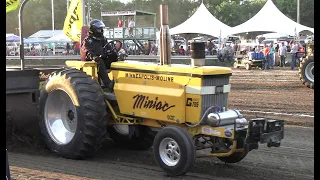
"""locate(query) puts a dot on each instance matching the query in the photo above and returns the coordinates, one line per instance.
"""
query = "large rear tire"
(174, 150)
(72, 114)
(306, 71)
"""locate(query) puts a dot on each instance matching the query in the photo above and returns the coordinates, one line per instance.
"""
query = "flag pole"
(21, 33)
(52, 17)
(83, 13)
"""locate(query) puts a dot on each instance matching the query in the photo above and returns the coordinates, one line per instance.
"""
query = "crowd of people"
(38, 49)
(272, 51)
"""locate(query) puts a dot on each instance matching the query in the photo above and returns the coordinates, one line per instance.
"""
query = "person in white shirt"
(294, 50)
(131, 25)
(282, 53)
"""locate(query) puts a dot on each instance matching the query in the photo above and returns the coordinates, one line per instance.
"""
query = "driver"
(92, 49)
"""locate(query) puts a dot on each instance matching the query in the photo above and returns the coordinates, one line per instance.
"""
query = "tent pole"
(21, 33)
(52, 17)
(220, 39)
(298, 11)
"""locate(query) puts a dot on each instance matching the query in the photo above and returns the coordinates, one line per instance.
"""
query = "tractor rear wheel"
(141, 139)
(235, 65)
(72, 114)
(248, 66)
(306, 71)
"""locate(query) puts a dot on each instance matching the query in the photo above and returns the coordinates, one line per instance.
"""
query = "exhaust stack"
(165, 49)
(198, 54)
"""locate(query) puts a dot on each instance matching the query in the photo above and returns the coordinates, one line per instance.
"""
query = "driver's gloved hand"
(97, 59)
(102, 57)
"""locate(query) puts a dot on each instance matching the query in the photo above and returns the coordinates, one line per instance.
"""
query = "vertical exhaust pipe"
(165, 49)
(198, 54)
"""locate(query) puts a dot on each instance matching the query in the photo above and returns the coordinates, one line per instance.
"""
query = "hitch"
(270, 131)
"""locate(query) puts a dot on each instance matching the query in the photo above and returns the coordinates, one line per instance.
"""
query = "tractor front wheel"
(72, 114)
(174, 150)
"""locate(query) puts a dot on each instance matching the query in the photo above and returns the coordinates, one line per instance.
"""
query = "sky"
(125, 1)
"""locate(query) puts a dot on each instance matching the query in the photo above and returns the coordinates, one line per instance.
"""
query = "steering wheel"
(112, 46)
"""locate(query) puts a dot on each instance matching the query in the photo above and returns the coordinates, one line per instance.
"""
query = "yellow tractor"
(175, 109)
(306, 68)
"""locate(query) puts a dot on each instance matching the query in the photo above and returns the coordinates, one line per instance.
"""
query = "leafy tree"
(37, 13)
(289, 8)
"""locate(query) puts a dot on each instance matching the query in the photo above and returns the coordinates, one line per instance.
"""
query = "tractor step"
(110, 96)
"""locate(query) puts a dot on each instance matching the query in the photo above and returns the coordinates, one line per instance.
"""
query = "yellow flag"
(73, 22)
(12, 5)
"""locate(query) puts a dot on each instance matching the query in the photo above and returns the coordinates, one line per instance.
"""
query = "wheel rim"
(247, 66)
(60, 117)
(309, 72)
(169, 152)
(235, 65)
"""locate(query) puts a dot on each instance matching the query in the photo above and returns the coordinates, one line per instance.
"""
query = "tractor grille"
(219, 99)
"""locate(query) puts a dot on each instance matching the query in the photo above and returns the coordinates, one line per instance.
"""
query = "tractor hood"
(176, 69)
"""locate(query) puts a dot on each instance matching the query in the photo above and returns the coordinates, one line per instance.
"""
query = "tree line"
(37, 13)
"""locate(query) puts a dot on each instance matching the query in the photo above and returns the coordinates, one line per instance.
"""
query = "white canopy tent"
(270, 19)
(202, 22)
(58, 38)
(273, 35)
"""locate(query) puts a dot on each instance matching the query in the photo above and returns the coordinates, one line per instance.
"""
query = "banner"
(118, 13)
(73, 22)
(12, 5)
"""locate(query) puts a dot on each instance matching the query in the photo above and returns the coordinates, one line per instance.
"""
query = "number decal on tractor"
(192, 102)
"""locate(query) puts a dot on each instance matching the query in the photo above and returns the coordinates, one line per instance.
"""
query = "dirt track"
(293, 160)
(266, 93)
(277, 91)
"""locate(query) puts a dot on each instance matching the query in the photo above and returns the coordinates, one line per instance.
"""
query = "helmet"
(96, 28)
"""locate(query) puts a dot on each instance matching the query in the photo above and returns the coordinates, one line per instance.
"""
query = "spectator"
(77, 48)
(302, 51)
(276, 54)
(210, 47)
(131, 25)
(282, 54)
(149, 47)
(120, 23)
(188, 50)
(146, 47)
(277, 48)
(50, 51)
(272, 56)
(32, 47)
(235, 47)
(266, 53)
(181, 51)
(294, 50)
(68, 48)
(257, 49)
